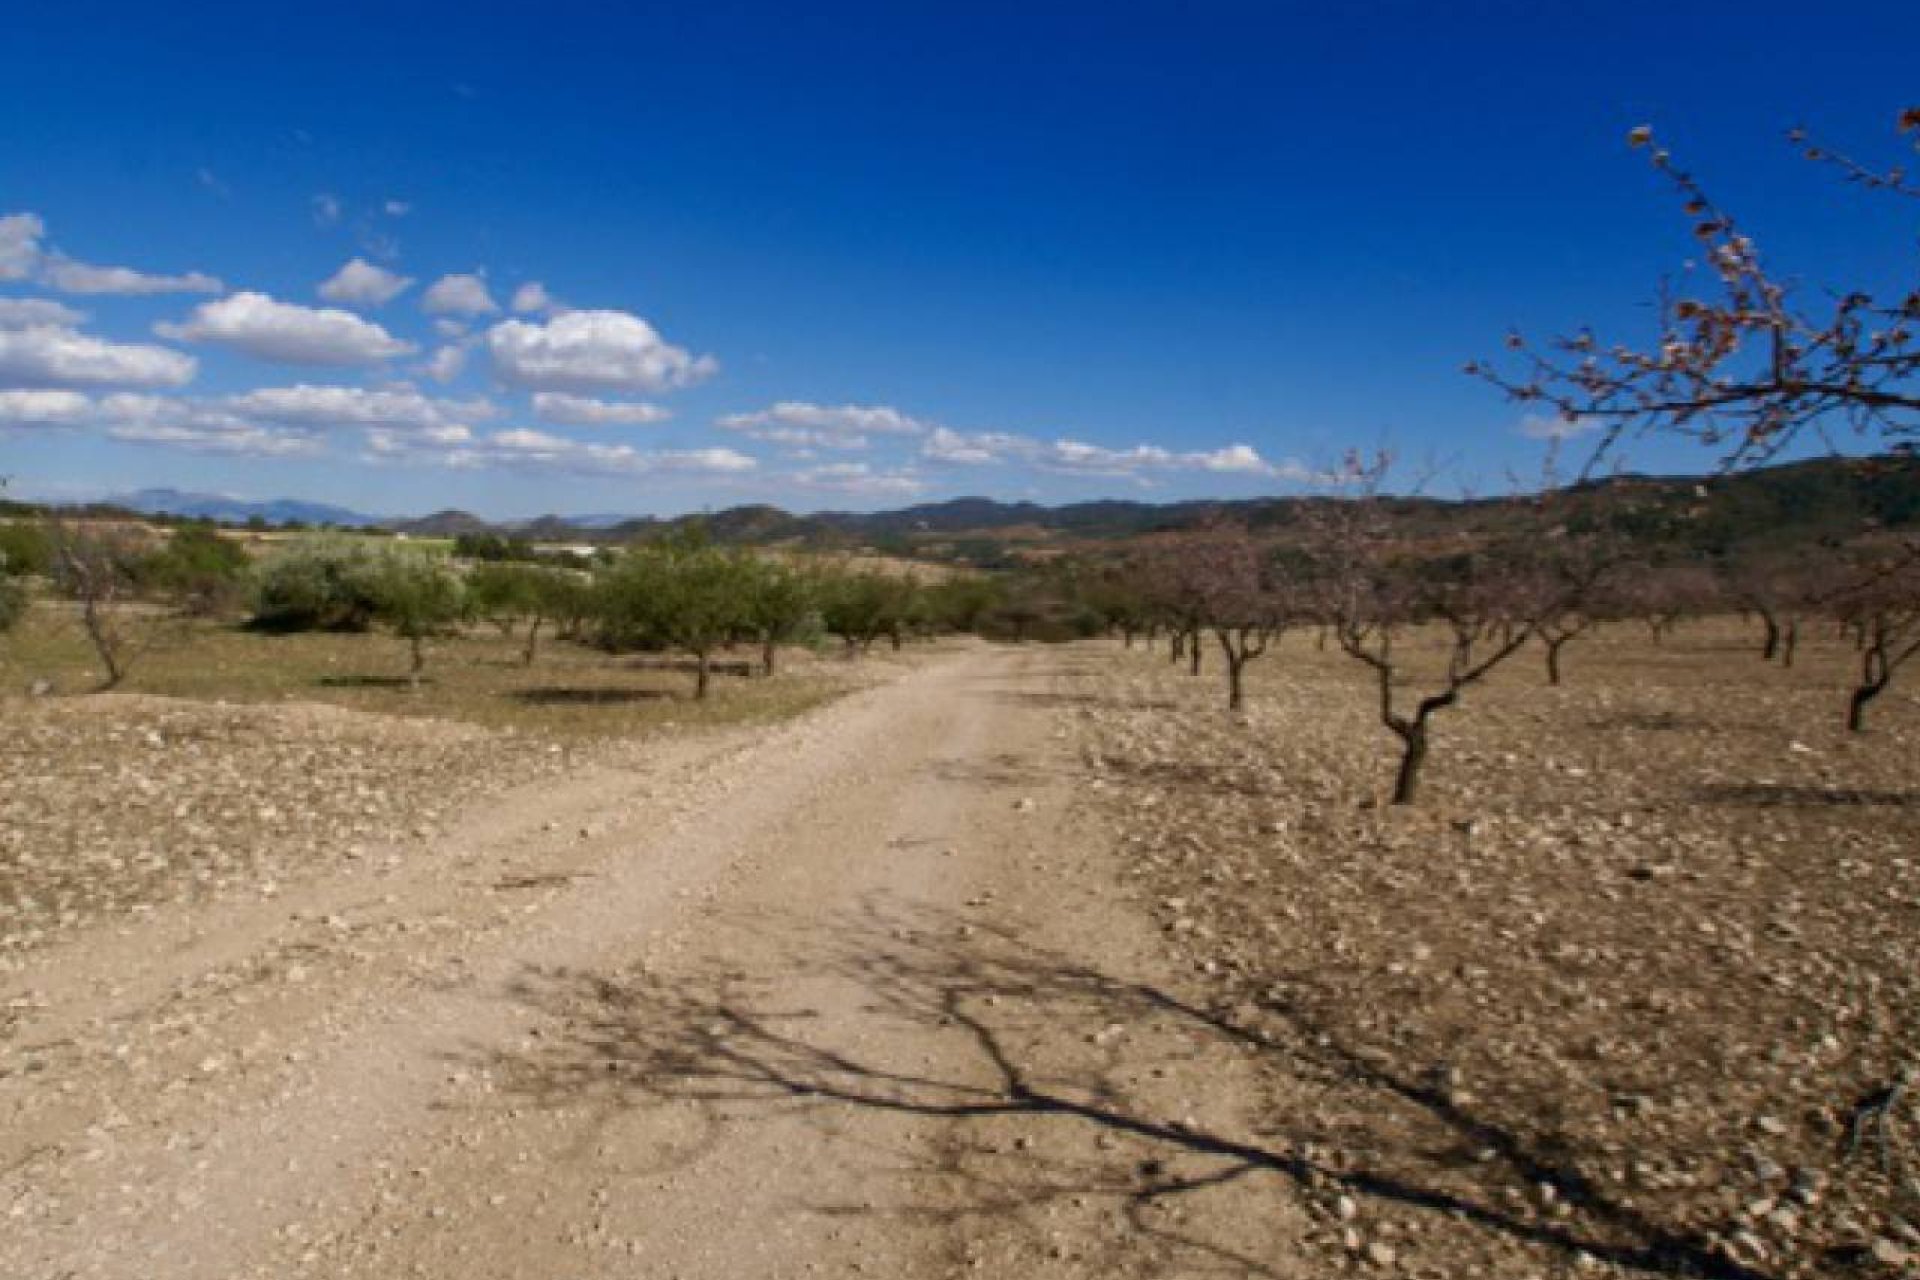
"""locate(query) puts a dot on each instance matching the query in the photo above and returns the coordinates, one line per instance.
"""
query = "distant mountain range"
(1826, 498)
(229, 510)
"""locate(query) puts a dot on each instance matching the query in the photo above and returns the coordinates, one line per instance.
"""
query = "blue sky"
(865, 254)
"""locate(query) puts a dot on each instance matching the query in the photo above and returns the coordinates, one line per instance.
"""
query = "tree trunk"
(1770, 647)
(105, 643)
(1193, 655)
(1176, 646)
(418, 644)
(704, 675)
(1553, 659)
(1235, 686)
(1406, 784)
(533, 641)
(769, 655)
(1874, 675)
(1792, 641)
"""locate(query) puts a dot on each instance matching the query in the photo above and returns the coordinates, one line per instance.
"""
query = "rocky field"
(1637, 979)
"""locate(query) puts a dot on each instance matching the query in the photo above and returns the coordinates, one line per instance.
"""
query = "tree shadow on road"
(1055, 1086)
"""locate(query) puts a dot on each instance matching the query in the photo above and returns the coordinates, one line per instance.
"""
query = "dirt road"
(861, 993)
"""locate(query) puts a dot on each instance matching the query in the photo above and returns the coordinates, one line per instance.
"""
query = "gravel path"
(853, 994)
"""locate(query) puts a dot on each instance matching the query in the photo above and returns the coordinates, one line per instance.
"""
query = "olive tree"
(417, 595)
(861, 605)
(677, 595)
(508, 592)
(781, 599)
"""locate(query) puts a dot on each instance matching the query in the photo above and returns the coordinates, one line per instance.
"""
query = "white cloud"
(583, 411)
(532, 298)
(148, 419)
(266, 329)
(200, 432)
(446, 363)
(859, 478)
(319, 407)
(973, 449)
(525, 450)
(1075, 457)
(1553, 426)
(23, 257)
(795, 424)
(54, 355)
(362, 284)
(459, 295)
(20, 235)
(587, 351)
(43, 408)
(326, 210)
(68, 276)
(22, 313)
(397, 208)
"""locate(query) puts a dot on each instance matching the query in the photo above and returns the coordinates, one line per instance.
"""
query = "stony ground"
(119, 803)
(1625, 983)
(1025, 961)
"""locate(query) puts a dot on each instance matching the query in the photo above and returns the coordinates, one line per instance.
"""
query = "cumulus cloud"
(978, 448)
(69, 276)
(44, 408)
(56, 355)
(22, 313)
(860, 478)
(20, 235)
(584, 411)
(321, 407)
(797, 424)
(1553, 426)
(23, 256)
(589, 351)
(266, 329)
(459, 295)
(525, 450)
(362, 284)
(200, 426)
(446, 363)
(1076, 457)
(532, 298)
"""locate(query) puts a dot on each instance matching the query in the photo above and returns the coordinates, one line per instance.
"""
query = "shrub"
(320, 584)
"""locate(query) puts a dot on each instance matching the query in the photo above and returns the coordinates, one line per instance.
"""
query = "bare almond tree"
(97, 567)
(1777, 589)
(1233, 585)
(1882, 606)
(1741, 360)
(1382, 597)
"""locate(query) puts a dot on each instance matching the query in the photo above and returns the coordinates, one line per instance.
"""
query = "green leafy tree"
(781, 600)
(509, 593)
(861, 605)
(417, 595)
(678, 594)
(24, 549)
(200, 571)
